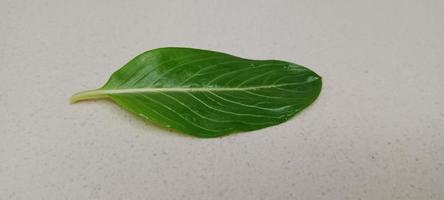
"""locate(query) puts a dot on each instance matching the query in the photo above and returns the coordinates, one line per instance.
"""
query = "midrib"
(103, 93)
(215, 89)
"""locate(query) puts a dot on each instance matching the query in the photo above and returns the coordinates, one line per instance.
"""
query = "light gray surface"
(376, 132)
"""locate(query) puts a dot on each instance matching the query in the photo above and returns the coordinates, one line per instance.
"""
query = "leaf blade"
(209, 94)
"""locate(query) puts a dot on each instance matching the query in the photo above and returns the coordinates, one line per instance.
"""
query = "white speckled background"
(376, 132)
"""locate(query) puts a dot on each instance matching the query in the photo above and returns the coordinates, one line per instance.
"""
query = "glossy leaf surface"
(209, 94)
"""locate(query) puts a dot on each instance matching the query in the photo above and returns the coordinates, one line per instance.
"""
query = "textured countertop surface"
(376, 131)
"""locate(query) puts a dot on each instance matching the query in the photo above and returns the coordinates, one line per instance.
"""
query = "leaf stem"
(88, 94)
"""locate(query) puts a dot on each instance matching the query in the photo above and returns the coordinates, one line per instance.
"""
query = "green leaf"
(209, 94)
